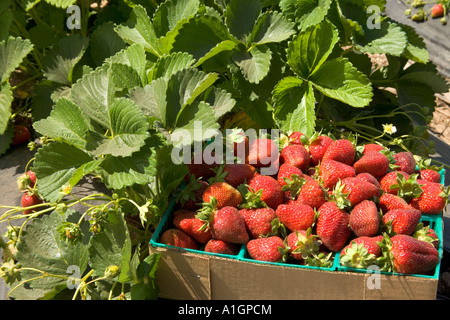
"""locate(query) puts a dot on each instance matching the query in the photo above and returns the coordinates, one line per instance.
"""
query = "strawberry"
(177, 238)
(361, 252)
(355, 190)
(21, 135)
(390, 179)
(432, 200)
(260, 222)
(296, 216)
(430, 175)
(389, 201)
(186, 221)
(437, 11)
(201, 171)
(271, 249)
(225, 224)
(365, 219)
(262, 152)
(372, 147)
(286, 171)
(225, 194)
(297, 137)
(296, 155)
(405, 254)
(302, 244)
(425, 233)
(26, 181)
(190, 197)
(332, 226)
(402, 221)
(219, 246)
(30, 199)
(330, 171)
(405, 162)
(374, 162)
(272, 194)
(341, 150)
(312, 194)
(367, 177)
(234, 174)
(317, 148)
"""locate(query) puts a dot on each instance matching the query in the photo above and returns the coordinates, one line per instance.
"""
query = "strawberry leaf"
(6, 98)
(271, 27)
(241, 16)
(305, 13)
(255, 63)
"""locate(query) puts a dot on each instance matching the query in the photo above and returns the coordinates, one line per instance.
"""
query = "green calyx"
(206, 213)
(307, 244)
(422, 232)
(357, 256)
(251, 198)
(320, 259)
(219, 174)
(407, 189)
(294, 185)
(386, 260)
(188, 192)
(340, 197)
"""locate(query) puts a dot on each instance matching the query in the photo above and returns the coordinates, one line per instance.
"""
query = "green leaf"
(146, 288)
(226, 45)
(6, 139)
(105, 42)
(152, 99)
(305, 13)
(221, 101)
(338, 79)
(294, 106)
(124, 77)
(111, 247)
(66, 123)
(64, 4)
(170, 12)
(6, 98)
(41, 248)
(272, 27)
(167, 65)
(12, 52)
(55, 164)
(126, 134)
(254, 64)
(60, 61)
(134, 57)
(241, 16)
(416, 48)
(200, 35)
(140, 29)
(310, 49)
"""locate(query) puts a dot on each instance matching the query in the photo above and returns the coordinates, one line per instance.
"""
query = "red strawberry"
(361, 252)
(391, 201)
(262, 153)
(312, 194)
(430, 175)
(371, 147)
(272, 194)
(332, 226)
(437, 11)
(425, 233)
(330, 171)
(286, 171)
(177, 238)
(365, 176)
(259, 221)
(266, 249)
(341, 150)
(296, 216)
(234, 174)
(355, 190)
(26, 181)
(186, 221)
(190, 197)
(21, 135)
(219, 246)
(432, 200)
(201, 171)
(302, 244)
(375, 163)
(402, 221)
(390, 179)
(228, 225)
(295, 155)
(405, 162)
(296, 138)
(405, 254)
(365, 219)
(225, 194)
(30, 199)
(318, 147)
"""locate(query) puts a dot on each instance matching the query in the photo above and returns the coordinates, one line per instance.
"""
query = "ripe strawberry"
(371, 147)
(272, 194)
(297, 137)
(296, 216)
(296, 155)
(228, 225)
(234, 174)
(260, 222)
(341, 150)
(190, 197)
(390, 179)
(402, 221)
(30, 199)
(177, 238)
(355, 190)
(405, 162)
(425, 233)
(332, 226)
(430, 175)
(312, 194)
(437, 11)
(262, 152)
(391, 201)
(219, 246)
(286, 171)
(365, 219)
(302, 244)
(21, 135)
(201, 171)
(317, 148)
(405, 254)
(330, 171)
(225, 194)
(269, 249)
(186, 221)
(432, 200)
(374, 162)
(361, 252)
